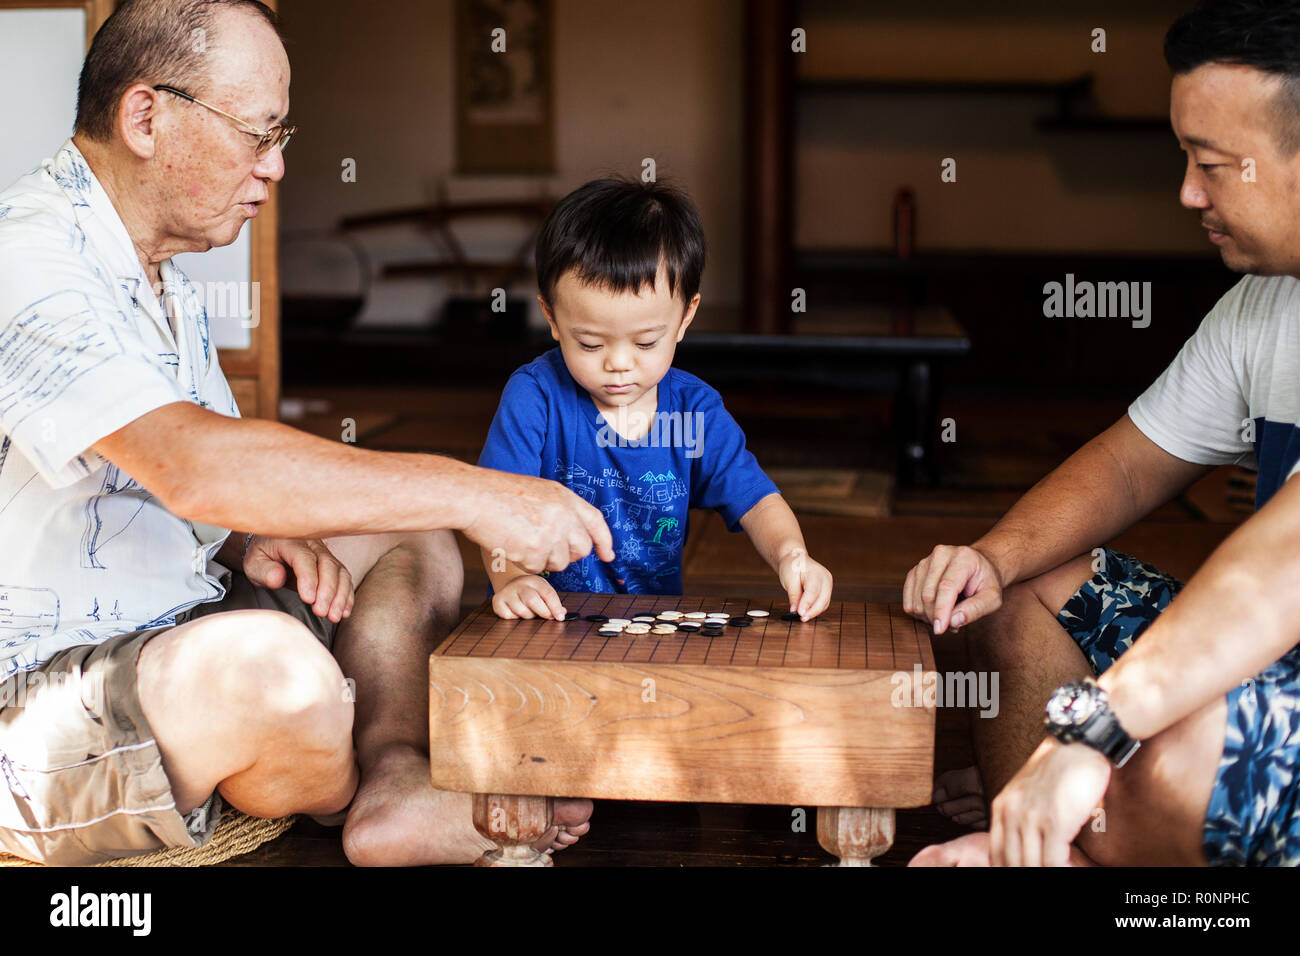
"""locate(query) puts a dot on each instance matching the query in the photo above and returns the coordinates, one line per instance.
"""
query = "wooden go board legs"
(855, 835)
(513, 823)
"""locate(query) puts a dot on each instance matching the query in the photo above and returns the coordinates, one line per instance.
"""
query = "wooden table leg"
(513, 823)
(914, 407)
(856, 835)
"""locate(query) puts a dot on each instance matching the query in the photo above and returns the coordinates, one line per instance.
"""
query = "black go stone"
(741, 621)
(711, 631)
(594, 618)
(789, 616)
(571, 616)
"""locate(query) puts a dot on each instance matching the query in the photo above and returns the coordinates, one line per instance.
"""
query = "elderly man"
(1190, 738)
(141, 682)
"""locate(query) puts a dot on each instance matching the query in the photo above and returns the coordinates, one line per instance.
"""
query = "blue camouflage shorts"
(1254, 813)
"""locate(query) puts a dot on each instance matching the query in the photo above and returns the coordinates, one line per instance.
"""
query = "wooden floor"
(980, 476)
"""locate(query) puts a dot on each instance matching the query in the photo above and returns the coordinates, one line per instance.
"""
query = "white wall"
(41, 52)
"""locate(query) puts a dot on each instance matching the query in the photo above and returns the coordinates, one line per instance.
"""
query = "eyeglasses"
(278, 135)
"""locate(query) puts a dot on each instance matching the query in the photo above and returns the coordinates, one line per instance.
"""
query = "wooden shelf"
(1068, 92)
(439, 214)
(1078, 86)
(1103, 124)
(423, 270)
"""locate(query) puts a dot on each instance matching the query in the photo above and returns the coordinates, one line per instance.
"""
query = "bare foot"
(572, 820)
(973, 850)
(959, 795)
(398, 819)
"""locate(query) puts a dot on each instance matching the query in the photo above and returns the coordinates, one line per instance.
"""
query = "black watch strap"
(1110, 738)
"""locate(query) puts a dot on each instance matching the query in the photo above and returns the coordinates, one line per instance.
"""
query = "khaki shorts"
(83, 779)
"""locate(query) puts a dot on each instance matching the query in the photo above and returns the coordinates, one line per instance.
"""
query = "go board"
(845, 636)
(815, 713)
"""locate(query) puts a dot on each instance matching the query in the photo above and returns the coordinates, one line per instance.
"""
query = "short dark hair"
(149, 41)
(616, 233)
(1264, 34)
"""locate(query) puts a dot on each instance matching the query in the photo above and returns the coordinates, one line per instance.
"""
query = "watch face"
(1071, 706)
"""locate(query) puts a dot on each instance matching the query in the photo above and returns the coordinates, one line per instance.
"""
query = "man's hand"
(528, 595)
(932, 588)
(323, 581)
(807, 584)
(1040, 812)
(537, 524)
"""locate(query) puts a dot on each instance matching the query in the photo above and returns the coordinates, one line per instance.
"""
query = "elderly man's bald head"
(159, 42)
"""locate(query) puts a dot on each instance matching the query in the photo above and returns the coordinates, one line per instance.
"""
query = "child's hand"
(528, 595)
(807, 583)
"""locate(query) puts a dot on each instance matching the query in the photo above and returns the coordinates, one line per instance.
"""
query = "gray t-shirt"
(1232, 394)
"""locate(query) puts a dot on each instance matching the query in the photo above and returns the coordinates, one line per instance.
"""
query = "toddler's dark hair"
(615, 233)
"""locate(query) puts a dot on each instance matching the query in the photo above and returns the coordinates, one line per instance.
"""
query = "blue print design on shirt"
(646, 516)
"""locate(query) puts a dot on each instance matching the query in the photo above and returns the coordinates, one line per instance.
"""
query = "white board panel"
(221, 276)
(41, 52)
(40, 61)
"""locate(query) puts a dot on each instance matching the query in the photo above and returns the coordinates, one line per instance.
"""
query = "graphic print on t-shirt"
(646, 515)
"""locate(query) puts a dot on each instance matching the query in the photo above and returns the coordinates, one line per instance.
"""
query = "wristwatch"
(1079, 712)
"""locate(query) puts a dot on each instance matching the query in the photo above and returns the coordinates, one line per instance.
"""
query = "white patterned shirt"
(86, 348)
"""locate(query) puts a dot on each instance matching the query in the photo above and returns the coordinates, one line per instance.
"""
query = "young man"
(1211, 691)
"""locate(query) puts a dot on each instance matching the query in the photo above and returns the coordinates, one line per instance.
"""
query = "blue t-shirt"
(693, 457)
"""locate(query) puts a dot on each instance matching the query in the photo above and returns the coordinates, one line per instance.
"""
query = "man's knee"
(1002, 638)
(293, 672)
(426, 554)
(434, 559)
(1006, 635)
(1053, 589)
(239, 690)
(438, 547)
(274, 671)
(1121, 831)
(1155, 806)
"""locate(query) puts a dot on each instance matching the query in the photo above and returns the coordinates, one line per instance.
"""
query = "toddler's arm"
(774, 530)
